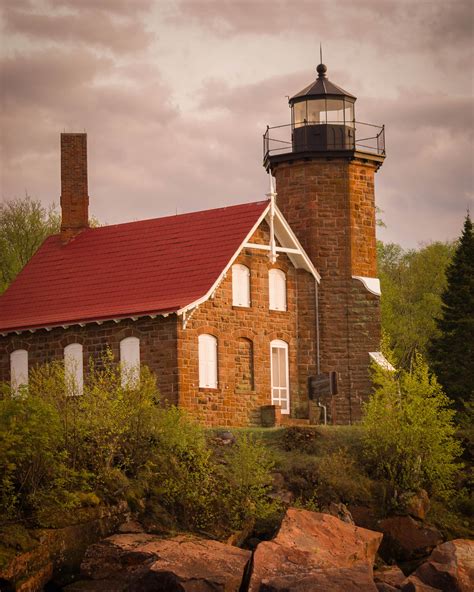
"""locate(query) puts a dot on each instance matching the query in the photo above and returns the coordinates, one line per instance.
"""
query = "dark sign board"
(322, 385)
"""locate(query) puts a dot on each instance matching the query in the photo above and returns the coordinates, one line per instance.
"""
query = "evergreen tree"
(452, 352)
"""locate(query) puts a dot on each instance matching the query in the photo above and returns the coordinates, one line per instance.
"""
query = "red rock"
(149, 563)
(405, 538)
(450, 567)
(333, 579)
(416, 504)
(308, 541)
(391, 575)
(414, 584)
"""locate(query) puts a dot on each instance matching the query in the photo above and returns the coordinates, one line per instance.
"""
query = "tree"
(452, 351)
(409, 431)
(412, 284)
(24, 224)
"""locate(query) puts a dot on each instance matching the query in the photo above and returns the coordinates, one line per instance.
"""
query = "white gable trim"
(286, 238)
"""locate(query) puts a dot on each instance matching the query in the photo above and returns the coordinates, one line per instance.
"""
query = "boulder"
(415, 504)
(183, 563)
(414, 584)
(390, 575)
(405, 538)
(130, 526)
(310, 541)
(340, 511)
(332, 579)
(450, 567)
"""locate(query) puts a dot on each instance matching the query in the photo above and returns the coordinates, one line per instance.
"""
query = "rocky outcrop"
(333, 579)
(388, 578)
(59, 552)
(406, 539)
(450, 567)
(309, 542)
(143, 562)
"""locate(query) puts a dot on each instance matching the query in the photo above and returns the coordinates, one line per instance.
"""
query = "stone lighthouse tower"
(324, 163)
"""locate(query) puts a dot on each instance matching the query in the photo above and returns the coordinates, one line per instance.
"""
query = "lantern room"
(322, 116)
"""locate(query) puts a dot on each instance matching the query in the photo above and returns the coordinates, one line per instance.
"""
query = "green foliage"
(24, 224)
(244, 481)
(412, 284)
(205, 490)
(452, 350)
(409, 431)
(57, 449)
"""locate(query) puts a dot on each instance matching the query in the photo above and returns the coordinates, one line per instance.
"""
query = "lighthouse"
(324, 162)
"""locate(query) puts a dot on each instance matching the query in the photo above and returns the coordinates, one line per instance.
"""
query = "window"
(130, 361)
(19, 369)
(207, 361)
(277, 289)
(74, 369)
(280, 375)
(240, 285)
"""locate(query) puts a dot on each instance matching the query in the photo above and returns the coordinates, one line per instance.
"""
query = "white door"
(280, 377)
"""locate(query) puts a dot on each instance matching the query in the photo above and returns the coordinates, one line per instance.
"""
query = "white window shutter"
(19, 369)
(240, 285)
(277, 289)
(130, 361)
(74, 368)
(207, 361)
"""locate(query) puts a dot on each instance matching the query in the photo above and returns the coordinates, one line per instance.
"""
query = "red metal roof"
(159, 265)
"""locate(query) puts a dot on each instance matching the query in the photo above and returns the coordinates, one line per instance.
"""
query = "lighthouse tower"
(324, 163)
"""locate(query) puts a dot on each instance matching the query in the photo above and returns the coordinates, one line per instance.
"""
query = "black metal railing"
(333, 135)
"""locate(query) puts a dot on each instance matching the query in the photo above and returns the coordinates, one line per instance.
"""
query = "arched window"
(130, 361)
(277, 289)
(19, 369)
(74, 369)
(244, 372)
(240, 285)
(207, 361)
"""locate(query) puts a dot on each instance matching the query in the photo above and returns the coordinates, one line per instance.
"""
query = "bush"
(409, 432)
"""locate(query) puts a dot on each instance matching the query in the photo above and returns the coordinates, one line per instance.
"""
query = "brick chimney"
(74, 196)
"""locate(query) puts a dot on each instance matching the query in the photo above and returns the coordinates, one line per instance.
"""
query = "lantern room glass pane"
(299, 113)
(335, 111)
(349, 113)
(317, 111)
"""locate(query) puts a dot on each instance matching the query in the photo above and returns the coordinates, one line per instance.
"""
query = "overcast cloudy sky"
(175, 96)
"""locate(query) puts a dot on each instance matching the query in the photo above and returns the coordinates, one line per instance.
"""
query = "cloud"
(148, 156)
(103, 24)
(391, 23)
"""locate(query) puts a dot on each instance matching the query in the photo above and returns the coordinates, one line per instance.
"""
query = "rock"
(310, 541)
(349, 579)
(131, 526)
(97, 586)
(391, 575)
(406, 539)
(149, 563)
(414, 584)
(341, 512)
(364, 516)
(415, 504)
(280, 490)
(225, 438)
(450, 567)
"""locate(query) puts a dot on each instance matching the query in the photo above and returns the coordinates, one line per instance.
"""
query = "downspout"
(316, 299)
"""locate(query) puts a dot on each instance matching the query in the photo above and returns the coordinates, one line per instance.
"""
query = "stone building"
(258, 312)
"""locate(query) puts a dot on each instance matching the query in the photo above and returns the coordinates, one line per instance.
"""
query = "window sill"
(209, 389)
(234, 307)
(272, 310)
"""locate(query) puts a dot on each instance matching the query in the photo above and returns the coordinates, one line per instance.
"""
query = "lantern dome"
(322, 115)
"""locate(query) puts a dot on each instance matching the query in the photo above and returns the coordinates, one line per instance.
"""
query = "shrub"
(244, 483)
(409, 431)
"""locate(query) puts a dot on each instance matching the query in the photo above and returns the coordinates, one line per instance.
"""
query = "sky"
(175, 96)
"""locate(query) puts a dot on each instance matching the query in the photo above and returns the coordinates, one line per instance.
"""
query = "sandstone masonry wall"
(330, 206)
